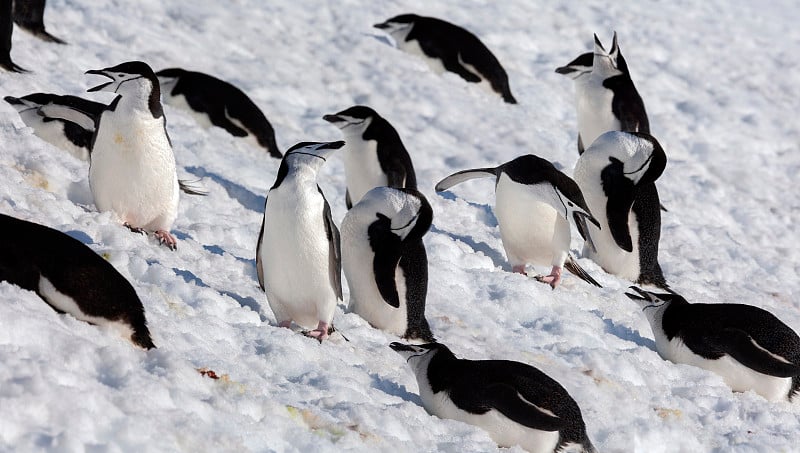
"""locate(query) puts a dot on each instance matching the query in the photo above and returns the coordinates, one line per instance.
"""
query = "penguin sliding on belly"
(514, 402)
(384, 260)
(298, 256)
(448, 47)
(70, 277)
(749, 347)
(216, 102)
(535, 203)
(374, 154)
(617, 175)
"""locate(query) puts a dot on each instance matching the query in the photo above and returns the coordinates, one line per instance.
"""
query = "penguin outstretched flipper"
(465, 175)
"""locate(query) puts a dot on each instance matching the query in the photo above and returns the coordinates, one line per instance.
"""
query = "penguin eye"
(569, 203)
(120, 75)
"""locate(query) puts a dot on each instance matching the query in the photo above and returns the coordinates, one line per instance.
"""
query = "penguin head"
(132, 79)
(406, 212)
(419, 356)
(608, 64)
(354, 120)
(398, 27)
(572, 205)
(654, 304)
(578, 67)
(312, 154)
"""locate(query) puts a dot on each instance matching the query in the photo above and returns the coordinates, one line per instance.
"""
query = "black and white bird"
(29, 14)
(6, 30)
(374, 154)
(71, 278)
(606, 98)
(617, 175)
(212, 101)
(748, 346)
(534, 205)
(448, 47)
(578, 69)
(132, 171)
(385, 262)
(514, 402)
(298, 255)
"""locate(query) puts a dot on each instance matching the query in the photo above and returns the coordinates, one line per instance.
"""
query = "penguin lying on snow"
(216, 102)
(749, 347)
(535, 203)
(516, 403)
(617, 175)
(70, 277)
(384, 260)
(375, 155)
(68, 122)
(448, 47)
(298, 256)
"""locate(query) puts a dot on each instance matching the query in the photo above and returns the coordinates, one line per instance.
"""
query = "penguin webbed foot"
(164, 238)
(322, 332)
(553, 279)
(519, 269)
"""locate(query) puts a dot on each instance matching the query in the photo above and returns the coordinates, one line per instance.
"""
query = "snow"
(719, 80)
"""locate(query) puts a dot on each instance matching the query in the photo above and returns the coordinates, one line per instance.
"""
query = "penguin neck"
(141, 97)
(443, 370)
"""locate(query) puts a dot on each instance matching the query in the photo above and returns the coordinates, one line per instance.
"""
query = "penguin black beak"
(382, 25)
(332, 145)
(102, 85)
(333, 119)
(643, 295)
(564, 70)
(580, 222)
(401, 347)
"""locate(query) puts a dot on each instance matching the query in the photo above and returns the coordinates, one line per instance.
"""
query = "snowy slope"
(720, 83)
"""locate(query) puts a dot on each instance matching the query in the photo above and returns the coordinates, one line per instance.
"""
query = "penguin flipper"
(220, 119)
(396, 179)
(464, 175)
(573, 266)
(508, 401)
(259, 265)
(744, 348)
(461, 70)
(73, 114)
(334, 249)
(620, 192)
(387, 248)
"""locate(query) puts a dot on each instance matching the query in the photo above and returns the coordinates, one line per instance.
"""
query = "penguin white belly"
(361, 168)
(737, 376)
(68, 305)
(132, 173)
(294, 256)
(527, 225)
(594, 109)
(414, 48)
(504, 431)
(179, 102)
(365, 298)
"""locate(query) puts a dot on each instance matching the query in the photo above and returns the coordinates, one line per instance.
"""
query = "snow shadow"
(625, 332)
(498, 259)
(244, 196)
(394, 389)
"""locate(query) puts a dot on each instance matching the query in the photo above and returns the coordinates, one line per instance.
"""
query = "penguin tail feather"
(573, 266)
(464, 175)
(191, 187)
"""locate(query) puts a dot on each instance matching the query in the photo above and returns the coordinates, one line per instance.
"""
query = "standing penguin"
(375, 154)
(749, 347)
(578, 70)
(70, 277)
(216, 102)
(606, 99)
(132, 171)
(448, 47)
(617, 175)
(298, 258)
(535, 202)
(384, 260)
(514, 402)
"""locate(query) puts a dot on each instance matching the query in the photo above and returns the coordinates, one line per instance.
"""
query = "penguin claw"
(164, 238)
(135, 229)
(553, 279)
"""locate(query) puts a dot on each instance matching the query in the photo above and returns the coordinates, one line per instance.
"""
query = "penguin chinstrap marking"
(448, 47)
(748, 346)
(71, 278)
(534, 205)
(212, 101)
(29, 14)
(132, 171)
(606, 98)
(514, 402)
(6, 30)
(617, 175)
(384, 260)
(374, 154)
(298, 256)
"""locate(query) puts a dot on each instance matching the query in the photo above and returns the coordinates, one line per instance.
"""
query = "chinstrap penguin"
(29, 14)
(385, 262)
(617, 175)
(448, 47)
(514, 402)
(212, 101)
(577, 70)
(298, 256)
(71, 278)
(534, 205)
(6, 30)
(374, 154)
(132, 171)
(748, 346)
(606, 98)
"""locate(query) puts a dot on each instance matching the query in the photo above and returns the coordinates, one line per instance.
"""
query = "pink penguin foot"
(167, 239)
(519, 269)
(285, 324)
(553, 279)
(320, 333)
